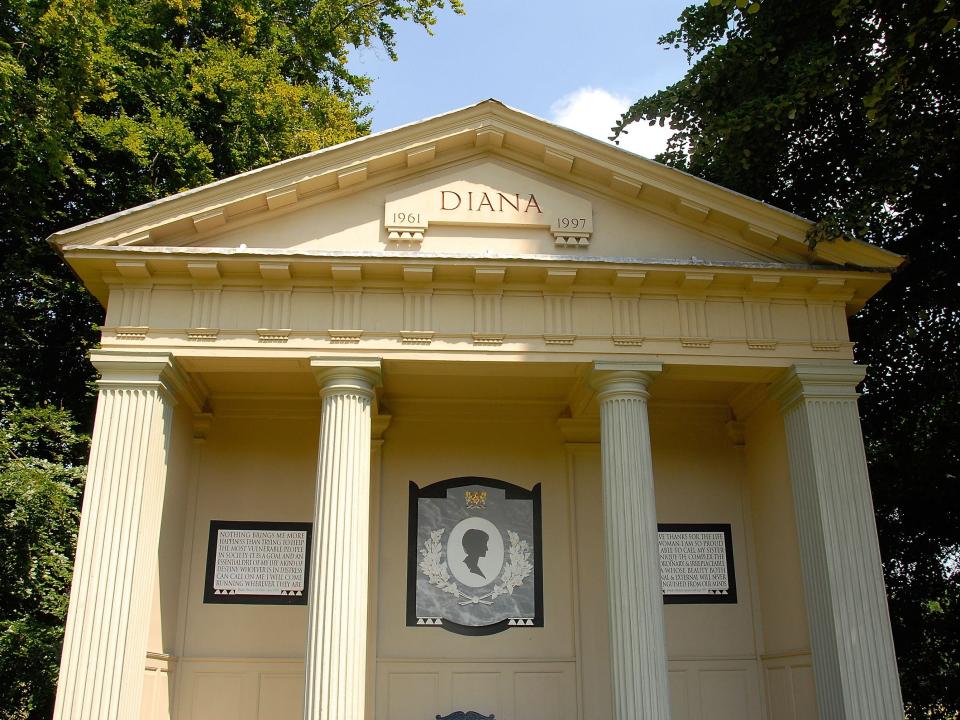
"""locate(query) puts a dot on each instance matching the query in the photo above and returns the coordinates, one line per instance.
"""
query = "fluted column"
(854, 664)
(105, 643)
(335, 686)
(638, 652)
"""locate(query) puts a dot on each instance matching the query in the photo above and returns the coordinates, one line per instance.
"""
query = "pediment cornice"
(486, 129)
(103, 267)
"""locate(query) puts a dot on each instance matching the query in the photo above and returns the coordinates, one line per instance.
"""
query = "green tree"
(41, 474)
(106, 104)
(848, 112)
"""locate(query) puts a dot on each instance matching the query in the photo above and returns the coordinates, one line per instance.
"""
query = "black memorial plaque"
(696, 563)
(258, 563)
(474, 562)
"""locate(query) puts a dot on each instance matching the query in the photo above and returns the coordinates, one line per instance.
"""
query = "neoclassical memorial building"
(478, 414)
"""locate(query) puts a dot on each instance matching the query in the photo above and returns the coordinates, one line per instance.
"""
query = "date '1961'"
(403, 218)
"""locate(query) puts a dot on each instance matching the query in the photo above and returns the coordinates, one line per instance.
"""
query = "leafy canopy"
(40, 481)
(848, 112)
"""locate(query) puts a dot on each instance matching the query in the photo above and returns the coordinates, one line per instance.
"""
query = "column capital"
(339, 374)
(158, 370)
(817, 382)
(623, 379)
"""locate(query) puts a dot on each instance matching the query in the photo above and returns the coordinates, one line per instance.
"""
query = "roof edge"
(474, 118)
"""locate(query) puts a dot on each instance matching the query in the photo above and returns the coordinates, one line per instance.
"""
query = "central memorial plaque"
(474, 564)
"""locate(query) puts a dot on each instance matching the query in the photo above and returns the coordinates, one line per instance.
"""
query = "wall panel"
(790, 690)
(511, 691)
(241, 689)
(281, 696)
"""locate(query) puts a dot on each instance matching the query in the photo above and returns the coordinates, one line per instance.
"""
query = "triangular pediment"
(483, 206)
(483, 180)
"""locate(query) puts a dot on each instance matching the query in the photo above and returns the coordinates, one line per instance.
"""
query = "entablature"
(103, 268)
(499, 304)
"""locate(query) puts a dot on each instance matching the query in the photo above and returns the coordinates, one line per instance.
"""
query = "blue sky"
(576, 63)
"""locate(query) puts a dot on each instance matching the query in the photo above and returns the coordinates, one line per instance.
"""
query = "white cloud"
(593, 111)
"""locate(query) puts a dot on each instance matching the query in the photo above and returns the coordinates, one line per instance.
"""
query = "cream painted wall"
(584, 482)
(699, 475)
(245, 661)
(699, 478)
(253, 468)
(525, 673)
(786, 657)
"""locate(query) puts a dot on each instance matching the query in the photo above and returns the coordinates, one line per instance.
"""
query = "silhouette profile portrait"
(475, 546)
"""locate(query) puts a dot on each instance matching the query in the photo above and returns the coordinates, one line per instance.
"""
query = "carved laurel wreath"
(515, 570)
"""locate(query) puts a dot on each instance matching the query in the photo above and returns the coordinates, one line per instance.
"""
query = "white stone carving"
(558, 319)
(204, 314)
(417, 317)
(565, 238)
(275, 318)
(693, 323)
(128, 332)
(557, 159)
(205, 309)
(630, 187)
(346, 316)
(756, 314)
(265, 335)
(134, 311)
(515, 571)
(825, 332)
(405, 238)
(201, 334)
(626, 320)
(487, 317)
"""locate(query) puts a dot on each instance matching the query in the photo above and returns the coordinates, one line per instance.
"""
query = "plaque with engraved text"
(696, 563)
(258, 563)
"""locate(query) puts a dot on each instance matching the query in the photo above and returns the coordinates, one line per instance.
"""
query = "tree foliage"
(848, 112)
(41, 474)
(106, 104)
